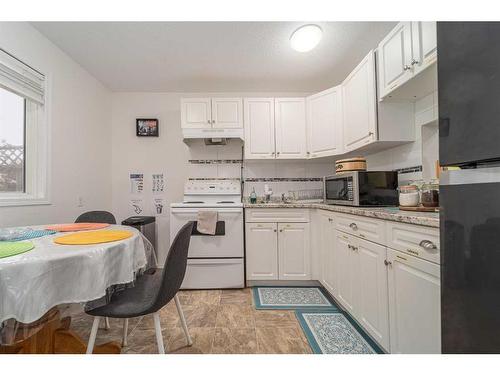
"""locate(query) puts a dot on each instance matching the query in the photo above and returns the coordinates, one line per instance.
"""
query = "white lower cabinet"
(362, 284)
(392, 294)
(277, 250)
(328, 264)
(293, 251)
(346, 271)
(372, 301)
(414, 303)
(262, 251)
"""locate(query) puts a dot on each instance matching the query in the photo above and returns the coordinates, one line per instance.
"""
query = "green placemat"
(8, 249)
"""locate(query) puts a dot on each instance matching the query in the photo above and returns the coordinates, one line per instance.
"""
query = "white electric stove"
(217, 261)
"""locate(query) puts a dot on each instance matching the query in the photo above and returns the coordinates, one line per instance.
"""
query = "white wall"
(424, 151)
(168, 154)
(80, 131)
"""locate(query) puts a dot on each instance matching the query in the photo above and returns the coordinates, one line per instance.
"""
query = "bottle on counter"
(253, 196)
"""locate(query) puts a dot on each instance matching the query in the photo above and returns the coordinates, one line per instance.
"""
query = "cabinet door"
(372, 301)
(414, 304)
(327, 248)
(259, 128)
(290, 128)
(395, 54)
(294, 251)
(324, 123)
(424, 40)
(196, 113)
(359, 103)
(227, 113)
(346, 270)
(261, 251)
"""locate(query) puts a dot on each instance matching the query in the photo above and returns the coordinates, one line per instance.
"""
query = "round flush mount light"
(306, 37)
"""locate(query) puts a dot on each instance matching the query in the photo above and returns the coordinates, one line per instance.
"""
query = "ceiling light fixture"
(306, 37)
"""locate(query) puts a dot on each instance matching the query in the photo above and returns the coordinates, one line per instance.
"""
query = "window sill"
(22, 200)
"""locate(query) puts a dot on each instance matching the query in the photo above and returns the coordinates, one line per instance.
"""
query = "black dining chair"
(108, 218)
(96, 217)
(151, 292)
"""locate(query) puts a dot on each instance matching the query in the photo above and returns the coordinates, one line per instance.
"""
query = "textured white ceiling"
(213, 56)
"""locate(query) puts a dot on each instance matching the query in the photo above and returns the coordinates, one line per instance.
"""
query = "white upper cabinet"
(290, 120)
(227, 113)
(395, 56)
(408, 49)
(196, 113)
(359, 105)
(424, 38)
(324, 123)
(216, 113)
(259, 128)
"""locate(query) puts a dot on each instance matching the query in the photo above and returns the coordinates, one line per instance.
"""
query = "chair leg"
(125, 332)
(106, 324)
(183, 320)
(159, 336)
(93, 334)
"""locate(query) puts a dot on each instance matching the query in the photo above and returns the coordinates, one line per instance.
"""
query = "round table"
(34, 283)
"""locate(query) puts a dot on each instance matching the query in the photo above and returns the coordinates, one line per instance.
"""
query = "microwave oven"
(362, 188)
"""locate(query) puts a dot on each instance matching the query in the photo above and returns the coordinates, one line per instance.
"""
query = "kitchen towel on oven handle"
(207, 222)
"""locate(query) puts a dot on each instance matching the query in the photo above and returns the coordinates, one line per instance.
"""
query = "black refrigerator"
(469, 137)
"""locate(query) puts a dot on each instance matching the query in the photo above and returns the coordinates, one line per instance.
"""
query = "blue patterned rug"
(332, 332)
(288, 298)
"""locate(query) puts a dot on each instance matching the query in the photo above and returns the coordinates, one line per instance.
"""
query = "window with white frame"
(23, 133)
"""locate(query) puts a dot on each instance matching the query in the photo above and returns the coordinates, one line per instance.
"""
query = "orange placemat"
(75, 227)
(94, 237)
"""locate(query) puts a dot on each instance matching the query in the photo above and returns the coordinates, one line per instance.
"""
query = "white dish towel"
(207, 222)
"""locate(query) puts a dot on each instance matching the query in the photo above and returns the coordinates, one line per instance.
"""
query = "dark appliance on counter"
(469, 136)
(362, 188)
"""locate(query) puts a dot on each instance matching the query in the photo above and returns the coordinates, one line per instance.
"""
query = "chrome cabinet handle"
(413, 61)
(275, 231)
(406, 67)
(281, 230)
(387, 263)
(353, 226)
(427, 245)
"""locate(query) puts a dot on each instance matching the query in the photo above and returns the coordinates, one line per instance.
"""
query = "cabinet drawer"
(369, 229)
(419, 241)
(282, 215)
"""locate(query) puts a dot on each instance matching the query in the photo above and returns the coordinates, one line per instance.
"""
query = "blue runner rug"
(291, 298)
(332, 332)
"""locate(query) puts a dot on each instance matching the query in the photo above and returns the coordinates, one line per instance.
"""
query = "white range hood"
(213, 135)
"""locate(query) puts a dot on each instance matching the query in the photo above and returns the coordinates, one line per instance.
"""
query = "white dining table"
(34, 282)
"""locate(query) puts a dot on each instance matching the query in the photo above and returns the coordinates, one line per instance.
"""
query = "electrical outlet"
(80, 201)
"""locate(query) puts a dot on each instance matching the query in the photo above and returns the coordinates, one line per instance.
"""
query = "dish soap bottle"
(253, 196)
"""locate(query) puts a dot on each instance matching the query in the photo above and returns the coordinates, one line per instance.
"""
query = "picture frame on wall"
(147, 127)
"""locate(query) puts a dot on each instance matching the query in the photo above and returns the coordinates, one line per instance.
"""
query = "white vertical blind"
(21, 79)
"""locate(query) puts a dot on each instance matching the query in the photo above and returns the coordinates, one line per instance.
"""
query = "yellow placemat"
(94, 237)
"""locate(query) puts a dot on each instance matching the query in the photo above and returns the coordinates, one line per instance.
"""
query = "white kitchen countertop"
(429, 219)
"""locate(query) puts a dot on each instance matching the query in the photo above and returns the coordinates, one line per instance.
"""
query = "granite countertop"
(429, 219)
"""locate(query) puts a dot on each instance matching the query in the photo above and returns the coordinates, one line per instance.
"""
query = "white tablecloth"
(49, 275)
